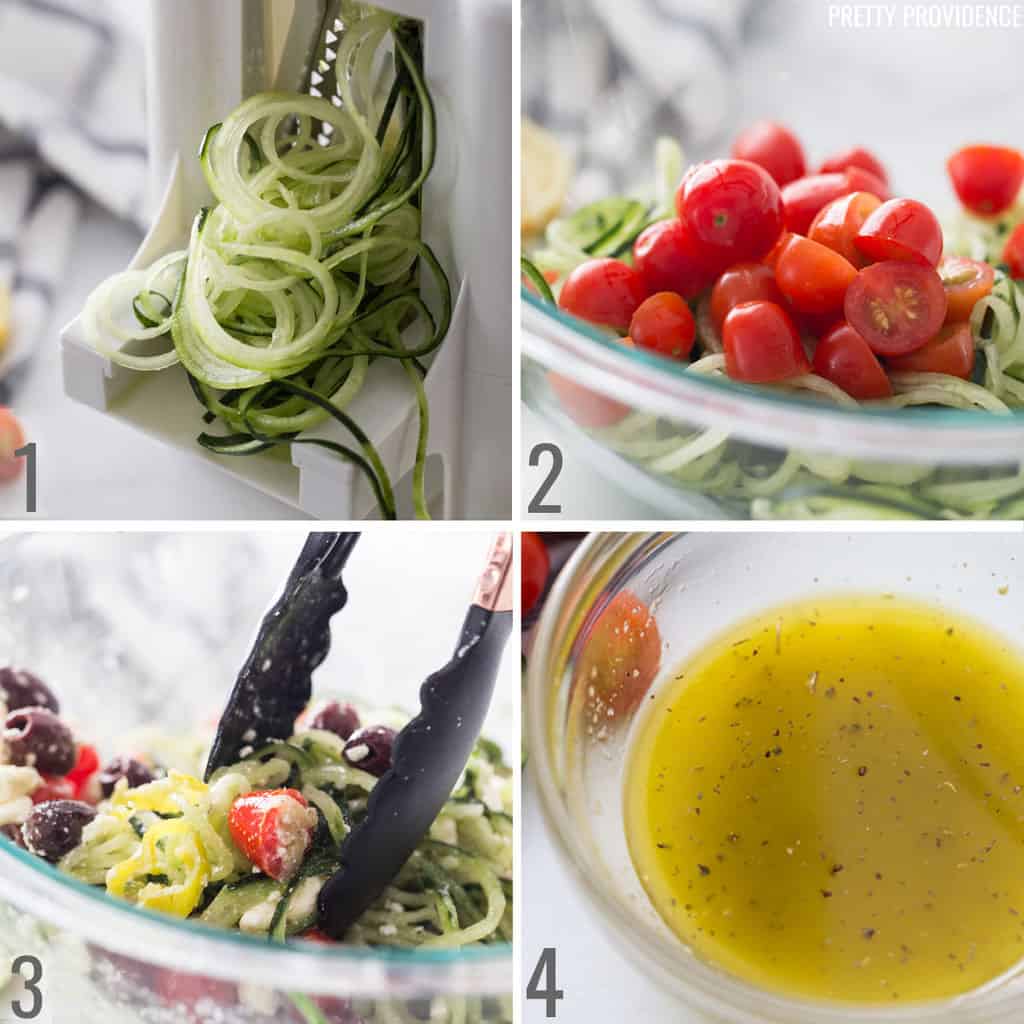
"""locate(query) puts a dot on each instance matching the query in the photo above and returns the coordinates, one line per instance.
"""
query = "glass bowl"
(139, 633)
(607, 80)
(697, 586)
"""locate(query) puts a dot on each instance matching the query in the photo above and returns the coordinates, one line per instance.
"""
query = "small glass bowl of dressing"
(674, 596)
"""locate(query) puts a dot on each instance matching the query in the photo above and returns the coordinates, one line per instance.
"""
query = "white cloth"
(72, 127)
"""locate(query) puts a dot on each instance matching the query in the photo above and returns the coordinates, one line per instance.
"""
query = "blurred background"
(607, 77)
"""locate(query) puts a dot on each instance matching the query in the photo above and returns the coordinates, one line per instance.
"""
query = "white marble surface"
(91, 467)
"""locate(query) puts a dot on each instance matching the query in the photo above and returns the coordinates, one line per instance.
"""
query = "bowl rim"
(711, 988)
(40, 889)
(762, 415)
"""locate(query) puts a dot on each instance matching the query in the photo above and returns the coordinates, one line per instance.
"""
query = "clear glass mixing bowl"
(608, 79)
(697, 585)
(137, 632)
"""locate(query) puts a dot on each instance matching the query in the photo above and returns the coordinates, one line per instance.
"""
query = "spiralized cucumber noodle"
(766, 483)
(307, 270)
(167, 846)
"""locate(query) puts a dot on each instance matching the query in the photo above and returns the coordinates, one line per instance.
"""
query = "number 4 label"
(545, 971)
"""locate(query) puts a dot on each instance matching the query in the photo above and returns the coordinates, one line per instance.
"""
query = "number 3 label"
(30, 1004)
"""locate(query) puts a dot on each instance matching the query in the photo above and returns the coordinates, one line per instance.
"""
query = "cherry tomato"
(746, 282)
(762, 344)
(838, 223)
(12, 437)
(772, 259)
(535, 568)
(843, 357)
(813, 277)
(896, 306)
(987, 179)
(733, 209)
(87, 765)
(1013, 252)
(901, 229)
(621, 656)
(667, 258)
(856, 156)
(775, 148)
(664, 324)
(950, 351)
(859, 180)
(966, 281)
(803, 198)
(590, 409)
(604, 291)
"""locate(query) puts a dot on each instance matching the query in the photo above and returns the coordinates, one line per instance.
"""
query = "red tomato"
(762, 344)
(621, 656)
(746, 282)
(901, 229)
(1013, 252)
(803, 198)
(813, 277)
(843, 357)
(664, 324)
(775, 148)
(856, 156)
(605, 292)
(987, 179)
(666, 257)
(772, 259)
(966, 281)
(733, 210)
(859, 180)
(12, 437)
(273, 829)
(54, 787)
(86, 766)
(896, 306)
(535, 568)
(838, 223)
(950, 351)
(194, 994)
(589, 409)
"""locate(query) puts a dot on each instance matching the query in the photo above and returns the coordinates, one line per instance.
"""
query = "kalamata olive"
(55, 827)
(38, 738)
(370, 749)
(341, 719)
(137, 774)
(21, 689)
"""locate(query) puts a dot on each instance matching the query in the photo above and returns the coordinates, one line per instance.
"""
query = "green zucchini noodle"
(766, 483)
(308, 269)
(167, 845)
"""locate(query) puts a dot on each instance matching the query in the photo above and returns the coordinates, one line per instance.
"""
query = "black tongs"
(276, 682)
(429, 754)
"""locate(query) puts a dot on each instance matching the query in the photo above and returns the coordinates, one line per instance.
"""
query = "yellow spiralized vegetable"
(172, 849)
(165, 796)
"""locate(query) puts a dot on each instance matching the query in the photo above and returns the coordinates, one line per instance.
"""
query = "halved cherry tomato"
(621, 656)
(733, 210)
(746, 282)
(843, 357)
(775, 148)
(762, 344)
(987, 179)
(772, 259)
(838, 223)
(1013, 252)
(604, 291)
(950, 351)
(856, 156)
(666, 257)
(535, 568)
(966, 281)
(901, 229)
(664, 324)
(896, 306)
(590, 409)
(813, 277)
(12, 437)
(86, 766)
